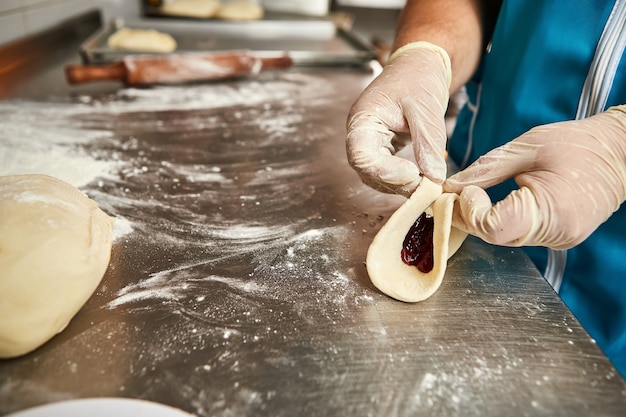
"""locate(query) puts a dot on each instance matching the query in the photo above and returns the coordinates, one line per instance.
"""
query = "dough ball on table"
(202, 9)
(141, 40)
(55, 246)
(240, 10)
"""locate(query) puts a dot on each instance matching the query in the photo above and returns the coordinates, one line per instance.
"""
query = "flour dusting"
(225, 231)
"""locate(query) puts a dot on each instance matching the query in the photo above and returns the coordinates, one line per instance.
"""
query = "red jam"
(417, 248)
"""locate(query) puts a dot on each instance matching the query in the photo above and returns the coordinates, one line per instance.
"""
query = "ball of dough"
(202, 9)
(141, 40)
(55, 246)
(240, 10)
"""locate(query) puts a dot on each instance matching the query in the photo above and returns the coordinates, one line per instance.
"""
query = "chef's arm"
(461, 27)
(437, 48)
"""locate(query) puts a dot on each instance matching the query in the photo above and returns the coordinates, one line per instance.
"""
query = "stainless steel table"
(237, 285)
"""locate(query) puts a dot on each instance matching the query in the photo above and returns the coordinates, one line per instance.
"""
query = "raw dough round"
(141, 40)
(240, 10)
(384, 264)
(202, 9)
(55, 246)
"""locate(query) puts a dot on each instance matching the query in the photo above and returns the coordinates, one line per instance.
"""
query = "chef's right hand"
(409, 96)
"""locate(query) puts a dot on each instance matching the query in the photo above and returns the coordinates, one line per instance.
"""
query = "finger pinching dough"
(385, 266)
(141, 40)
(55, 246)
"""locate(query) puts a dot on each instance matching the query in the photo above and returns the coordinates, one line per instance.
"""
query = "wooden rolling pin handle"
(283, 61)
(78, 74)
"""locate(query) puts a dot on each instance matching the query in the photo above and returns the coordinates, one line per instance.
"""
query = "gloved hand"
(409, 96)
(572, 177)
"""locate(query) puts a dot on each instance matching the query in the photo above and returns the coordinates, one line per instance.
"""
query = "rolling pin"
(177, 68)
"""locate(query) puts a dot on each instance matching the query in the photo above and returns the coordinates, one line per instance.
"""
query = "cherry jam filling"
(417, 248)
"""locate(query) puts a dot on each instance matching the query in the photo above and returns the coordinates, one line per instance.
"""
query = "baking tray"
(309, 42)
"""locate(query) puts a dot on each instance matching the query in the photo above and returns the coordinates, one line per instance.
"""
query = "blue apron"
(534, 74)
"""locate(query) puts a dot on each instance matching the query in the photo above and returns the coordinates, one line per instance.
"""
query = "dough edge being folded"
(384, 265)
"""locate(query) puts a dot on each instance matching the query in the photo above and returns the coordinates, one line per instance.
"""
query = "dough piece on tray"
(141, 40)
(55, 246)
(203, 9)
(240, 10)
(388, 272)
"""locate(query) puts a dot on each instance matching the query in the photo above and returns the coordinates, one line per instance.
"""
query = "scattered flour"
(278, 252)
(218, 231)
(41, 138)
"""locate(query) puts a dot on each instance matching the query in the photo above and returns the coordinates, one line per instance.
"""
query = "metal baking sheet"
(309, 41)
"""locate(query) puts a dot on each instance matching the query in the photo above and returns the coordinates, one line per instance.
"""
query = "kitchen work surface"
(237, 284)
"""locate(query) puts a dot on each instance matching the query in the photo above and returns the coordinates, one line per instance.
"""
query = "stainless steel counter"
(237, 285)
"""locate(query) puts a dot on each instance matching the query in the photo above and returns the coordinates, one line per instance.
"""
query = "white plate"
(102, 407)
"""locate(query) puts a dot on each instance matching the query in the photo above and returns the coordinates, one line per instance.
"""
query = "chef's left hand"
(572, 177)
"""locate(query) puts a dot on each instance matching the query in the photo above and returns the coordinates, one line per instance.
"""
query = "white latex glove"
(409, 96)
(572, 177)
